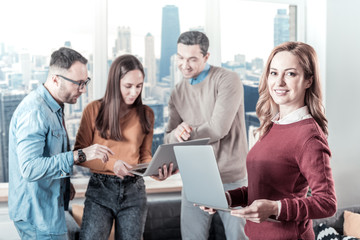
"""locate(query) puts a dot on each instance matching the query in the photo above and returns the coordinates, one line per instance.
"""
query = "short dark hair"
(195, 38)
(65, 57)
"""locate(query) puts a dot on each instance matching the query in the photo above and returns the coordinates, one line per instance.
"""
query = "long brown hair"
(266, 108)
(107, 121)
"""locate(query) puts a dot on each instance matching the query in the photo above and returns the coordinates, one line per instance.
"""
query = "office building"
(251, 95)
(240, 58)
(170, 32)
(175, 73)
(158, 109)
(26, 66)
(39, 61)
(292, 23)
(237, 67)
(40, 75)
(15, 80)
(252, 123)
(9, 100)
(198, 28)
(257, 64)
(158, 139)
(281, 27)
(150, 60)
(159, 125)
(67, 44)
(2, 49)
(122, 41)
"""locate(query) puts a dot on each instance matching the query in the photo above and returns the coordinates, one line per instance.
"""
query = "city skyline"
(23, 69)
(244, 25)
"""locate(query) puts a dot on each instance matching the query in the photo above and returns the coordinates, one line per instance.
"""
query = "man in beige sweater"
(209, 102)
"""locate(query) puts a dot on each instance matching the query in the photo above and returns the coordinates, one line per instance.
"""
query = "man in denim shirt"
(40, 160)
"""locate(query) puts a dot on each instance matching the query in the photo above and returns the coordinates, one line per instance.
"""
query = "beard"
(67, 95)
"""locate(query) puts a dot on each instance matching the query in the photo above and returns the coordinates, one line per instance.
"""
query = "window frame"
(100, 69)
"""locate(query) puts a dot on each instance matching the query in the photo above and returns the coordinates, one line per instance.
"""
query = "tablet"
(164, 155)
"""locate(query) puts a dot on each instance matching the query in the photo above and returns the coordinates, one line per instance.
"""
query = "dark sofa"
(163, 219)
(336, 221)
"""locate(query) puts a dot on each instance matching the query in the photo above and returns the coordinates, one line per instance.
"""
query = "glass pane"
(30, 31)
(249, 31)
(150, 32)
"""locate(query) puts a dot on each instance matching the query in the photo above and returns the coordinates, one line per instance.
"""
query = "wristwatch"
(81, 157)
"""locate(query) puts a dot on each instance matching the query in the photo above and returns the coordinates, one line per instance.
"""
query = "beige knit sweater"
(213, 108)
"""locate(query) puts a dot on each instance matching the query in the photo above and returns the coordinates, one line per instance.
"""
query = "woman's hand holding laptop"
(207, 209)
(259, 211)
(165, 172)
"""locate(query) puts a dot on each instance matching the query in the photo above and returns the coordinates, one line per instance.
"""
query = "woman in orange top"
(121, 122)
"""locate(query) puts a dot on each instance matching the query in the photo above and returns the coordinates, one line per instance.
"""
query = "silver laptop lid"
(164, 155)
(200, 175)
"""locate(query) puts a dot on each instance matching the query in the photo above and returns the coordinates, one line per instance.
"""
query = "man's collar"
(51, 102)
(201, 76)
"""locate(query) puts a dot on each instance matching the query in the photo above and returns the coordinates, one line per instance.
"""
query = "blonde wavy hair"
(266, 108)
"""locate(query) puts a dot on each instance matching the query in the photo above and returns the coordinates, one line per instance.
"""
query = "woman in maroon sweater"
(292, 152)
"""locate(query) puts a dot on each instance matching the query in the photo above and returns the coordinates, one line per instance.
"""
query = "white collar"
(295, 116)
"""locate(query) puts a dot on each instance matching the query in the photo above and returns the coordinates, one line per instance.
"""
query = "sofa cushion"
(337, 221)
(163, 217)
(324, 232)
(351, 224)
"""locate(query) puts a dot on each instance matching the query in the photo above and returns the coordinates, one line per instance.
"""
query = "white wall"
(334, 31)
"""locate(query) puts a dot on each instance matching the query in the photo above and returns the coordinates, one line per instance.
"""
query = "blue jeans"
(195, 223)
(110, 198)
(27, 231)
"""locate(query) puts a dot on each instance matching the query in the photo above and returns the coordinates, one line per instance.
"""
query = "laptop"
(164, 155)
(200, 175)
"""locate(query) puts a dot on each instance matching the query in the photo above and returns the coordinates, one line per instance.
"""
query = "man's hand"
(97, 151)
(259, 211)
(72, 191)
(121, 169)
(164, 172)
(182, 132)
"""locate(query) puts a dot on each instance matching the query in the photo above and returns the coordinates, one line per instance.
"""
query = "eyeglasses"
(80, 83)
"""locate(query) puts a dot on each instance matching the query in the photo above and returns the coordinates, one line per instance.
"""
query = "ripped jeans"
(110, 198)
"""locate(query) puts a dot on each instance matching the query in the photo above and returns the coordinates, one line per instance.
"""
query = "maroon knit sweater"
(281, 166)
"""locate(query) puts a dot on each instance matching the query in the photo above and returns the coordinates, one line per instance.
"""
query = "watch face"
(82, 156)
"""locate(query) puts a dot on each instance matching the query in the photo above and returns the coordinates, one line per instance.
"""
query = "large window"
(30, 31)
(242, 34)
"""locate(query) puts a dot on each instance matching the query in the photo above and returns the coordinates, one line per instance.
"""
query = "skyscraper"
(2, 48)
(25, 64)
(158, 108)
(281, 27)
(170, 32)
(150, 60)
(175, 73)
(123, 41)
(212, 30)
(292, 23)
(67, 44)
(9, 100)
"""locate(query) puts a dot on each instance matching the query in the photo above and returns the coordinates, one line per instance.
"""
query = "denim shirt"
(37, 163)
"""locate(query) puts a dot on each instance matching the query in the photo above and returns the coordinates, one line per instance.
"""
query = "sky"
(41, 26)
